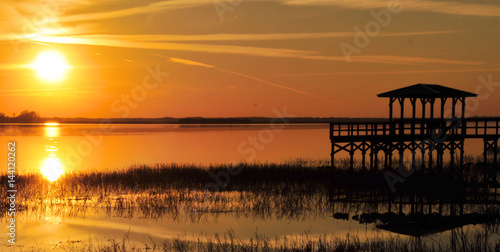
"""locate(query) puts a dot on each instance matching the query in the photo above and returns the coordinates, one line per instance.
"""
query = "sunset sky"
(241, 58)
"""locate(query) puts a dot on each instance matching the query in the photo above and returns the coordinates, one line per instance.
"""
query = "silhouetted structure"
(431, 135)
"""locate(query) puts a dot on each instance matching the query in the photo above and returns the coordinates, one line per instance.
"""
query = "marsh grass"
(295, 190)
(459, 240)
(291, 190)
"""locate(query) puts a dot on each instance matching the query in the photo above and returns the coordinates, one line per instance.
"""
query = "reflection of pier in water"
(420, 206)
(431, 187)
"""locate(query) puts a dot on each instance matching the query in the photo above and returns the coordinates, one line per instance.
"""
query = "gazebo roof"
(426, 91)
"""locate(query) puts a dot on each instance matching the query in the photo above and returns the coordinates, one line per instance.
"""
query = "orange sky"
(243, 58)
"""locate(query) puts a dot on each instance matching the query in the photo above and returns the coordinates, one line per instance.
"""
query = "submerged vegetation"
(459, 240)
(295, 190)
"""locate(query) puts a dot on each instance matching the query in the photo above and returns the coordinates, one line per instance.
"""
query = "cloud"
(252, 37)
(188, 62)
(444, 7)
(398, 72)
(43, 91)
(248, 51)
(137, 10)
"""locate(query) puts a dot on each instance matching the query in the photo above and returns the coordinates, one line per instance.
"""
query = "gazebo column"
(401, 123)
(391, 123)
(431, 101)
(454, 131)
(463, 133)
(442, 131)
(422, 124)
(464, 124)
(454, 113)
(413, 102)
(429, 131)
(401, 130)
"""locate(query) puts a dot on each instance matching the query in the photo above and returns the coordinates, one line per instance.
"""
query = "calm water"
(80, 147)
(89, 146)
(55, 149)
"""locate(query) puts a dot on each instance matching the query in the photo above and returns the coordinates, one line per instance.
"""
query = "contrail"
(275, 85)
(194, 63)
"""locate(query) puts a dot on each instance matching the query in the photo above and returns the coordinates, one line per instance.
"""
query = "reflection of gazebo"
(429, 133)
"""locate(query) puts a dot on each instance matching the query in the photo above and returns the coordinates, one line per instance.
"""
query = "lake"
(92, 147)
(80, 147)
(79, 210)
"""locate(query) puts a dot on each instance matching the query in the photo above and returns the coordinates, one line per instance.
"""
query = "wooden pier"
(430, 137)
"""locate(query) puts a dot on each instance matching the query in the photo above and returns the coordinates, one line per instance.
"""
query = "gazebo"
(426, 94)
(428, 125)
(433, 131)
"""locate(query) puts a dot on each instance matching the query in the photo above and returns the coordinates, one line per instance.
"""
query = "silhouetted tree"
(27, 116)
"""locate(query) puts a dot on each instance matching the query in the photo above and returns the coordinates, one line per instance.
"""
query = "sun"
(50, 66)
(52, 168)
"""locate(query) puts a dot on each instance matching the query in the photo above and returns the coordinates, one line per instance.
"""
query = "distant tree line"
(25, 116)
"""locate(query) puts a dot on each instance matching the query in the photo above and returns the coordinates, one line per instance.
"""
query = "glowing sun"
(50, 66)
(52, 168)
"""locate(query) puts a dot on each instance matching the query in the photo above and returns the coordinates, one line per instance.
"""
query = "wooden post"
(442, 127)
(452, 157)
(413, 102)
(391, 101)
(363, 152)
(372, 149)
(422, 124)
(462, 121)
(430, 131)
(351, 154)
(485, 159)
(333, 155)
(453, 112)
(495, 161)
(461, 166)
(391, 119)
(401, 123)
(431, 101)
(422, 151)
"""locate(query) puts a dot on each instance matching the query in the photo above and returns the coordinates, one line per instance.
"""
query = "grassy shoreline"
(290, 190)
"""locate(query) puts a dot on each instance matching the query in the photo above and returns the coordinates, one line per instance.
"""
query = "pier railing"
(469, 128)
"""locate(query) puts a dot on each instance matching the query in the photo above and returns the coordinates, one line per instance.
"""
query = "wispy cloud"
(445, 7)
(252, 37)
(43, 91)
(397, 72)
(188, 62)
(49, 89)
(137, 10)
(249, 51)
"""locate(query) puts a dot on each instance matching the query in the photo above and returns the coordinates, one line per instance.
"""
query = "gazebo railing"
(471, 127)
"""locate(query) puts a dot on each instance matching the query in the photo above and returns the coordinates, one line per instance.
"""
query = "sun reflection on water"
(52, 167)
